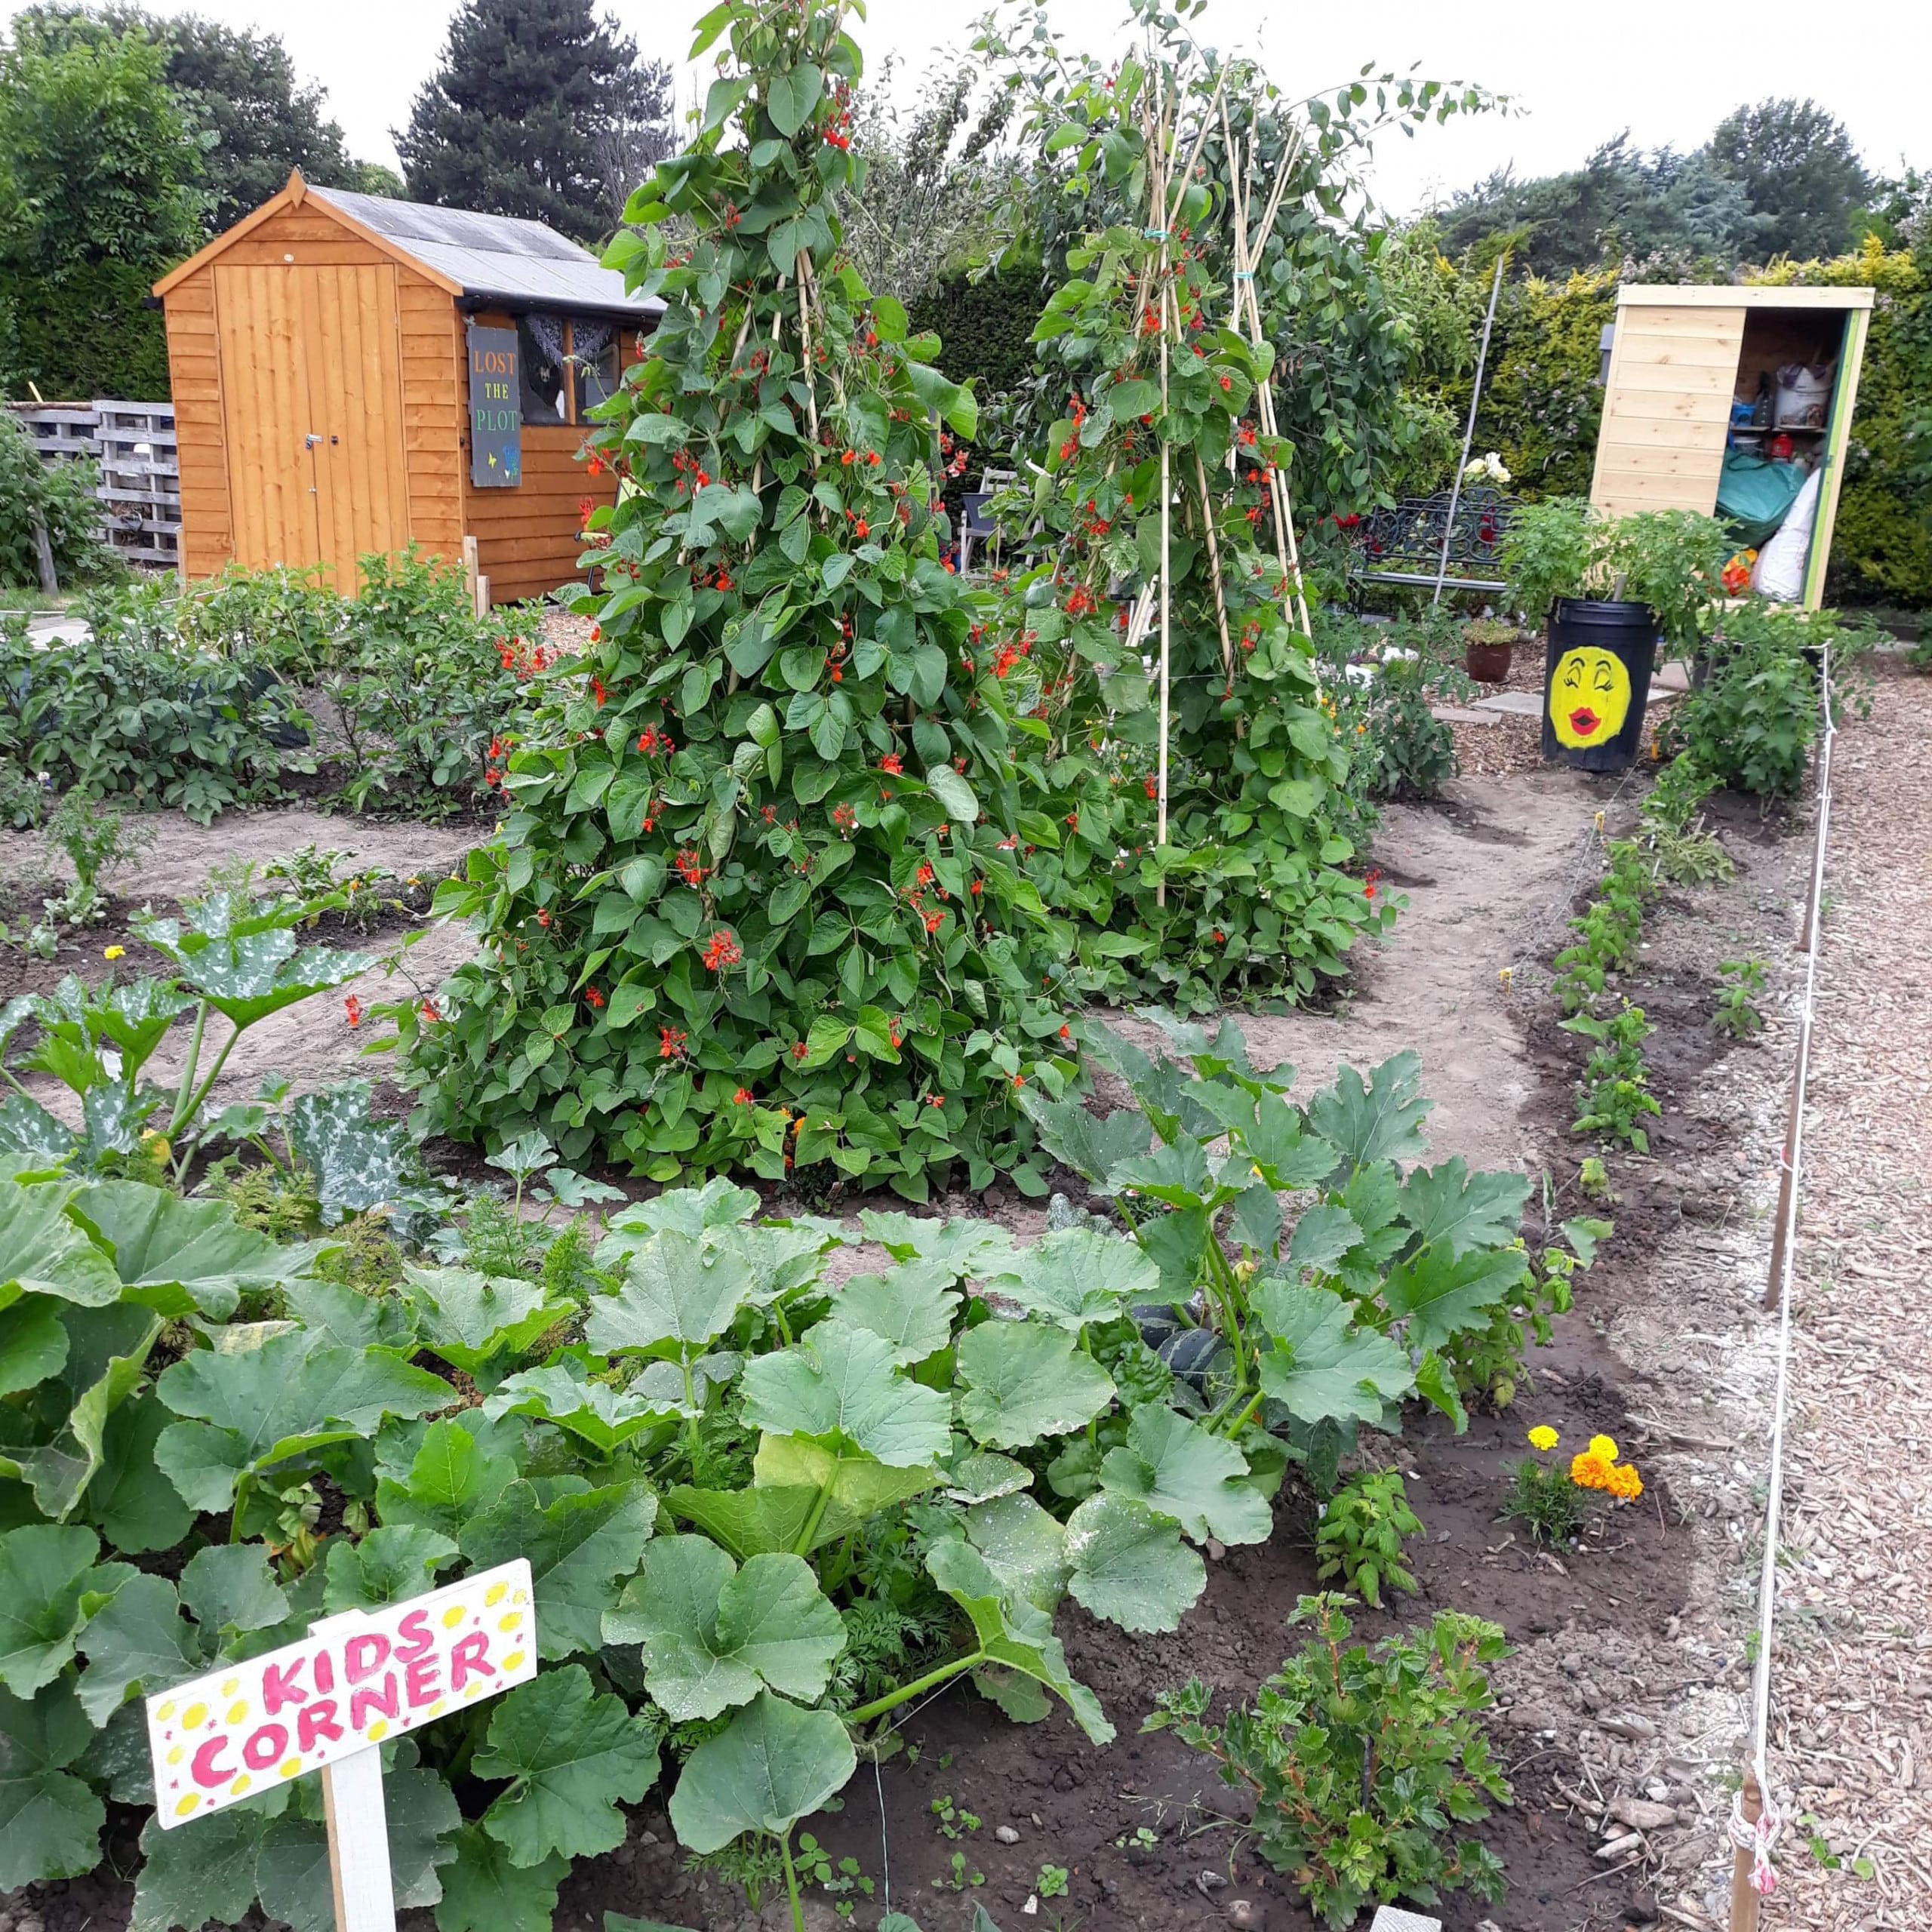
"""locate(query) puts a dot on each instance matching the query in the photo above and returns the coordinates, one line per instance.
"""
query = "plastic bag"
(1780, 571)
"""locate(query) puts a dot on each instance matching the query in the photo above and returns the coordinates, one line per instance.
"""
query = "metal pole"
(1468, 432)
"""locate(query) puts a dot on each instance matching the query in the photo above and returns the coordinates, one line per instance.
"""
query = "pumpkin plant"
(756, 903)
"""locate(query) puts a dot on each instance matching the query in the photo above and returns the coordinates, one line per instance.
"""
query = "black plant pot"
(1596, 682)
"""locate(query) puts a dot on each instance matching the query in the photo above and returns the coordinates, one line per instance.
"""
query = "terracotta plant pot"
(1487, 662)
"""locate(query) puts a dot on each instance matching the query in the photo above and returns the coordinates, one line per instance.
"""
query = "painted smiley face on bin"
(1589, 697)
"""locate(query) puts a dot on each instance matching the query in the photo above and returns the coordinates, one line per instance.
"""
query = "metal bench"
(1403, 544)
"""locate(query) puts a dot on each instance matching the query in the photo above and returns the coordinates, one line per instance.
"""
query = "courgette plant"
(234, 958)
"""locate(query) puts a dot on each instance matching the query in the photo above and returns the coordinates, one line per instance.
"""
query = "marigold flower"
(1543, 1437)
(1604, 1446)
(1589, 1472)
(116, 952)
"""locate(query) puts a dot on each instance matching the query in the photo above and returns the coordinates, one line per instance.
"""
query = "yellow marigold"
(1604, 1446)
(1625, 1483)
(1589, 1471)
(115, 952)
(1543, 1437)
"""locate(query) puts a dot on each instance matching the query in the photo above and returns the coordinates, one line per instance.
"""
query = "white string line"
(1759, 1839)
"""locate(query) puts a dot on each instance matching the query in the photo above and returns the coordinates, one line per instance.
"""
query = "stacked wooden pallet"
(140, 485)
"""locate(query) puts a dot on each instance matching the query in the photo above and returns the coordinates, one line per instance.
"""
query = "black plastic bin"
(1596, 681)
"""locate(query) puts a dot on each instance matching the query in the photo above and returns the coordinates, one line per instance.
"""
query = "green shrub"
(1398, 747)
(126, 712)
(1362, 1763)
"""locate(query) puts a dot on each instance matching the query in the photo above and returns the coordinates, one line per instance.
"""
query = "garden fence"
(140, 487)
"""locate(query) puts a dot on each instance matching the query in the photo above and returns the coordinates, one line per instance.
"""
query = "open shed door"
(1667, 407)
(312, 390)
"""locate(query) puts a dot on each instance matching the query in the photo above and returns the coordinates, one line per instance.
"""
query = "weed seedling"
(1051, 1881)
(957, 1877)
(953, 1820)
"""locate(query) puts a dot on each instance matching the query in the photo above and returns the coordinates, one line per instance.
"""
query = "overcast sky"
(1666, 69)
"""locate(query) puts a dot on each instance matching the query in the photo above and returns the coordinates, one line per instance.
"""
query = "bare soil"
(1602, 1636)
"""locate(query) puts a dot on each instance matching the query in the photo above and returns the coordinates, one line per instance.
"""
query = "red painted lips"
(1584, 721)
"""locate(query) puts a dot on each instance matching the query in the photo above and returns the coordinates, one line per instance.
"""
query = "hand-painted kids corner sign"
(496, 410)
(354, 1680)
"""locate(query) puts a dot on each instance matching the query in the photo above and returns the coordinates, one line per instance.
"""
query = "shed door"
(312, 388)
(1666, 409)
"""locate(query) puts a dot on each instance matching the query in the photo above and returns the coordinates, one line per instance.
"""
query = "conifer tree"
(517, 120)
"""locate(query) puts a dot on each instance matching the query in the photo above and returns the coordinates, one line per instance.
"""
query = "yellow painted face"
(1589, 697)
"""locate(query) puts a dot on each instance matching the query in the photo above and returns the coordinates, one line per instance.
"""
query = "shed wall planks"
(1683, 364)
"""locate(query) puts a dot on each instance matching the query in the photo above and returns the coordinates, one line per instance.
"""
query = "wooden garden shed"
(354, 374)
(1688, 364)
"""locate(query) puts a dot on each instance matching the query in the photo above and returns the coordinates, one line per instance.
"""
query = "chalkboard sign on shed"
(495, 410)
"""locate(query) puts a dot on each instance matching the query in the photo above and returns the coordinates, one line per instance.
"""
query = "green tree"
(1679, 210)
(99, 193)
(523, 116)
(1800, 174)
(237, 90)
(935, 176)
(96, 161)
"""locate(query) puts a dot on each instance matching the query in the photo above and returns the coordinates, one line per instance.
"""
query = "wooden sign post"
(328, 1703)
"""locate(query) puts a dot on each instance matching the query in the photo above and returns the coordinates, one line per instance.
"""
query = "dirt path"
(1852, 1682)
(311, 1043)
(1488, 874)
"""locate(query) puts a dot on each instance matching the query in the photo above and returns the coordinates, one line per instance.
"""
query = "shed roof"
(481, 258)
(498, 256)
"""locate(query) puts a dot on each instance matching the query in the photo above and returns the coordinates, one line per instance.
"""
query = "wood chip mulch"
(1852, 1682)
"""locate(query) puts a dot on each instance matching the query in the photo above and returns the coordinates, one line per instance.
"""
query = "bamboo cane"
(1247, 252)
(805, 335)
(1214, 565)
(1158, 204)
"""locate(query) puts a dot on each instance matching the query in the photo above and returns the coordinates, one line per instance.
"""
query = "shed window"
(570, 364)
(540, 349)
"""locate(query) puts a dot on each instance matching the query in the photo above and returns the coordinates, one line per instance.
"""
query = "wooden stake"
(43, 551)
(359, 1841)
(1744, 1900)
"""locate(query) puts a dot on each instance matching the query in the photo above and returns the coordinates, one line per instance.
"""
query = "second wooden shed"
(353, 374)
(1687, 363)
